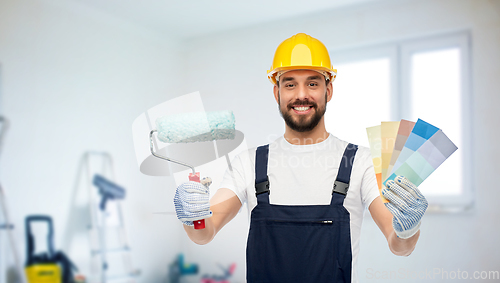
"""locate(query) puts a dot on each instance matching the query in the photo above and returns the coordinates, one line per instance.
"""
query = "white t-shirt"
(304, 175)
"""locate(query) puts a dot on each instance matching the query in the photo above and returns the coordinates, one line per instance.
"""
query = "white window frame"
(399, 53)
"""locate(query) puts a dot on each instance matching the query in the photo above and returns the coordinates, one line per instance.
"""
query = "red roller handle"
(198, 224)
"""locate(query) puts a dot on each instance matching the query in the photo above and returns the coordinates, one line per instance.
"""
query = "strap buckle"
(262, 187)
(340, 187)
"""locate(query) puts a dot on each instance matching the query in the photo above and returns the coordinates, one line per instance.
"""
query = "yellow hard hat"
(298, 52)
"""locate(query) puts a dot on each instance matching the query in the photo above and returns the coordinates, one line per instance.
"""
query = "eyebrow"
(286, 79)
(315, 77)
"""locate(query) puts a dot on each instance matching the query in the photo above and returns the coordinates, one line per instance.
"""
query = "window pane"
(436, 98)
(361, 99)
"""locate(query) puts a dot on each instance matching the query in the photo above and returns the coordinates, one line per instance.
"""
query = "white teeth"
(302, 108)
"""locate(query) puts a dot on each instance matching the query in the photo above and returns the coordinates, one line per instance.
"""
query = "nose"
(302, 93)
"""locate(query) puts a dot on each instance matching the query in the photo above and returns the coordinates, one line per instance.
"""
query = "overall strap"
(261, 180)
(341, 184)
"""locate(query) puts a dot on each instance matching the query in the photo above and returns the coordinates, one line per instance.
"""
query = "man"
(307, 190)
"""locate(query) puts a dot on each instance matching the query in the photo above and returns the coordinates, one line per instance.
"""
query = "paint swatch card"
(413, 150)
(404, 130)
(374, 139)
(388, 134)
(426, 159)
(420, 133)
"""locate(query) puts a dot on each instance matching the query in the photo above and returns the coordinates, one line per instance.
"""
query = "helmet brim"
(271, 74)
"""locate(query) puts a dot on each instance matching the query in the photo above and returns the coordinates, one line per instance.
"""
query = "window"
(348, 91)
(426, 78)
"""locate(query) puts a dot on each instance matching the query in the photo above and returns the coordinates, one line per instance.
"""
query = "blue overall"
(300, 243)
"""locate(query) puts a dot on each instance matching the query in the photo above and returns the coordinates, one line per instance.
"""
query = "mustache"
(302, 103)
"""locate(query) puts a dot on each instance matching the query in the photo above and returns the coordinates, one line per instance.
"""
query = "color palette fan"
(406, 148)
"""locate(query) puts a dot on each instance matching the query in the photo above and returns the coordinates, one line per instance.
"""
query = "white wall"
(234, 67)
(73, 80)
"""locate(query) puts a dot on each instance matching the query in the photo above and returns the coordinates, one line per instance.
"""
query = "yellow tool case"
(41, 268)
(43, 273)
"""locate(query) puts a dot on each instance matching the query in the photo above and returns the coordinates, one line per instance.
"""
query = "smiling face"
(302, 96)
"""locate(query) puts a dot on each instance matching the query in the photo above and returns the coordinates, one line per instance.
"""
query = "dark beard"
(303, 124)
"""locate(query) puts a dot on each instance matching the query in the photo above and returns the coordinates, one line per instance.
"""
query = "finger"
(192, 197)
(207, 181)
(195, 217)
(394, 199)
(409, 186)
(389, 195)
(194, 187)
(195, 198)
(401, 192)
(189, 207)
(400, 221)
(184, 201)
(397, 215)
(393, 209)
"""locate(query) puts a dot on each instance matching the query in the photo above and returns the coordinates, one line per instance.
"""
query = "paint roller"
(108, 190)
(193, 127)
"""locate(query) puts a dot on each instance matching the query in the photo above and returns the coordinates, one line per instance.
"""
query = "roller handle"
(198, 224)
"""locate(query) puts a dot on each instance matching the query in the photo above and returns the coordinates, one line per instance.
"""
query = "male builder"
(307, 190)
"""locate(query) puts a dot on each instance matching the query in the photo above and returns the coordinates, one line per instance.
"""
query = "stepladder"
(7, 229)
(109, 243)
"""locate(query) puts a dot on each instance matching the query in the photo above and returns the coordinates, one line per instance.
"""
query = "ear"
(276, 93)
(329, 93)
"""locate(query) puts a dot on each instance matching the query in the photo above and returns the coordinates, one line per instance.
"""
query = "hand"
(407, 205)
(191, 202)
